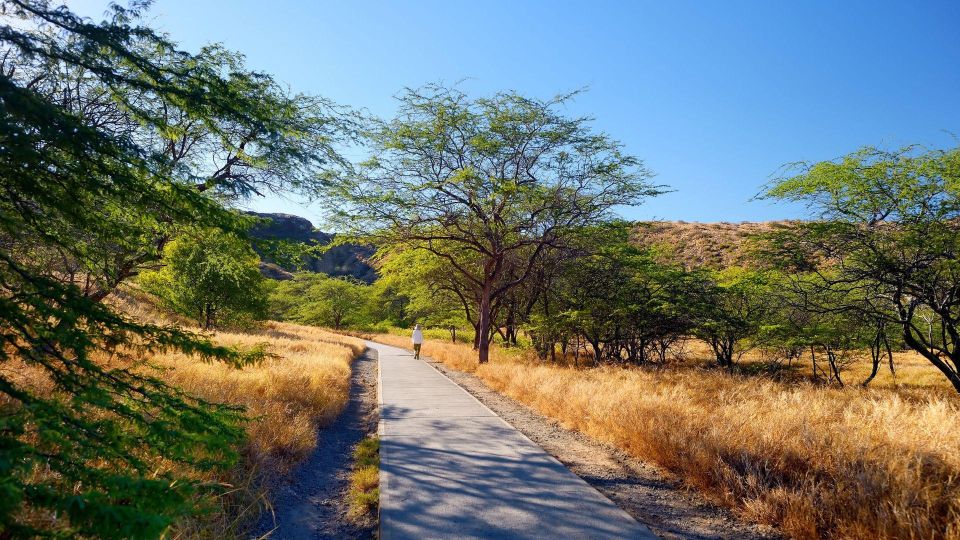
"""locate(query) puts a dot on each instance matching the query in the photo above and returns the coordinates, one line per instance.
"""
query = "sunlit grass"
(816, 460)
(289, 397)
(364, 491)
(301, 387)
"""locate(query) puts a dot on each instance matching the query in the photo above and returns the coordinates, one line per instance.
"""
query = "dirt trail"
(312, 504)
(645, 492)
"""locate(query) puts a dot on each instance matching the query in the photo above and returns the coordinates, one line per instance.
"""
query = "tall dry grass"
(816, 461)
(288, 399)
(301, 387)
(304, 385)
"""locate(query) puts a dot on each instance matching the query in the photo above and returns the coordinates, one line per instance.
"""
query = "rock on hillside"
(346, 260)
(705, 245)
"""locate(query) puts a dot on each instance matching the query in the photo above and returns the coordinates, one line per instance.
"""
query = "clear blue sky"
(713, 96)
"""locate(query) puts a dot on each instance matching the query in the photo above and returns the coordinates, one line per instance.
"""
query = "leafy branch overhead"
(113, 142)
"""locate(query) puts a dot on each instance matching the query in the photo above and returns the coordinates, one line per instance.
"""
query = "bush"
(213, 277)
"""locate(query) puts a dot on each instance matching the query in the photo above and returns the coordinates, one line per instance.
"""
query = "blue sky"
(714, 96)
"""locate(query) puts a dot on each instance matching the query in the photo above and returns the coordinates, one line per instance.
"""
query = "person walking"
(417, 339)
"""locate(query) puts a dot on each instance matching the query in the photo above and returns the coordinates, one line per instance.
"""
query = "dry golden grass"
(816, 461)
(288, 398)
(710, 245)
(301, 387)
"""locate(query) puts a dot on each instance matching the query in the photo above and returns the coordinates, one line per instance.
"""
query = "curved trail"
(451, 468)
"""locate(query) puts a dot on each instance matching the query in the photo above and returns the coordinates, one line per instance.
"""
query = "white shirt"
(417, 337)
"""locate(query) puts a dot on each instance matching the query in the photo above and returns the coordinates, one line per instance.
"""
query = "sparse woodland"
(804, 373)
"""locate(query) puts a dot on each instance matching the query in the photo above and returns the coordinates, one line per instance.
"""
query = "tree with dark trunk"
(730, 306)
(489, 185)
(889, 238)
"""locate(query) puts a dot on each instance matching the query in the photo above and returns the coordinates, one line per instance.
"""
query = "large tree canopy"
(112, 139)
(887, 242)
(489, 185)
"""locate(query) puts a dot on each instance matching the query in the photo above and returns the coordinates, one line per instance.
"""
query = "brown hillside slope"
(704, 245)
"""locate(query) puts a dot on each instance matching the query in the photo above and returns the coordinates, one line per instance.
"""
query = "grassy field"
(288, 398)
(302, 387)
(817, 461)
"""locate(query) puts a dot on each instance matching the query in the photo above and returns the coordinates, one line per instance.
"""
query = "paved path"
(451, 468)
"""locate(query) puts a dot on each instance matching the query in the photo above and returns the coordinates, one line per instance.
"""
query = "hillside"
(689, 244)
(346, 260)
(704, 245)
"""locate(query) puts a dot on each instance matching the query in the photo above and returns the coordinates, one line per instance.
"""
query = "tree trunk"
(511, 327)
(875, 352)
(597, 350)
(208, 318)
(483, 328)
(834, 368)
(931, 356)
(813, 359)
(723, 350)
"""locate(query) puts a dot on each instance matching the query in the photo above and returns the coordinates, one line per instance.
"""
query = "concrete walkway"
(451, 468)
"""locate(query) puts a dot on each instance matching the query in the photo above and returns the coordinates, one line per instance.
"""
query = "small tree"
(730, 309)
(334, 302)
(321, 300)
(211, 276)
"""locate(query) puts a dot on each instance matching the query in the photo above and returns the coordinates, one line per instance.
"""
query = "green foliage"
(616, 297)
(490, 186)
(321, 300)
(433, 296)
(731, 308)
(112, 140)
(888, 245)
(211, 276)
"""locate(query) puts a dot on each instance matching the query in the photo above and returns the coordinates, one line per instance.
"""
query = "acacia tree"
(889, 237)
(489, 185)
(322, 300)
(808, 314)
(89, 193)
(731, 306)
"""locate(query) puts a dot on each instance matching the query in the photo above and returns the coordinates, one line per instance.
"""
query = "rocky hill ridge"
(345, 260)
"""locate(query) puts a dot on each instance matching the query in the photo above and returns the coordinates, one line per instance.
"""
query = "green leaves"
(887, 245)
(490, 186)
(320, 300)
(211, 276)
(113, 142)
